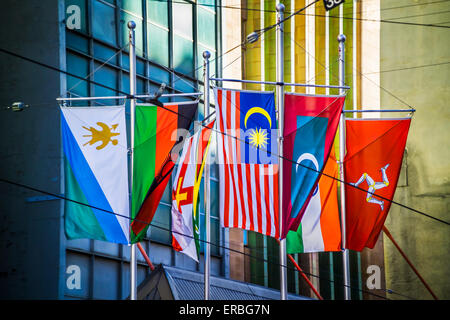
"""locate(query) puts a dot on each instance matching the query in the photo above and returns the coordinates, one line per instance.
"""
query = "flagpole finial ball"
(341, 38)
(206, 54)
(131, 25)
(280, 7)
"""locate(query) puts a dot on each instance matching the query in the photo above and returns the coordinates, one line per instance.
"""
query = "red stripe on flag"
(227, 194)
(257, 196)
(267, 199)
(249, 196)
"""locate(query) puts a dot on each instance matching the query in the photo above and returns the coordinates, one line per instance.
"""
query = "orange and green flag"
(320, 228)
(159, 132)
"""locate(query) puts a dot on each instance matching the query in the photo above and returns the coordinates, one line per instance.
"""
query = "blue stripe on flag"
(90, 187)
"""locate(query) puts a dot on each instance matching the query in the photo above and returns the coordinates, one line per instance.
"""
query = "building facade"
(89, 39)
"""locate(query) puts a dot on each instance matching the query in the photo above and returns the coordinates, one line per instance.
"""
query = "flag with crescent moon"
(310, 125)
(247, 160)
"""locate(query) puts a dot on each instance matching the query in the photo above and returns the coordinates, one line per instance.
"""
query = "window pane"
(206, 27)
(183, 55)
(157, 12)
(140, 67)
(104, 23)
(158, 44)
(134, 6)
(214, 194)
(214, 232)
(183, 85)
(160, 226)
(77, 42)
(159, 74)
(182, 18)
(208, 3)
(104, 53)
(108, 77)
(78, 66)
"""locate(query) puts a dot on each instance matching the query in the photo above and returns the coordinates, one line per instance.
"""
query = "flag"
(373, 161)
(96, 173)
(310, 124)
(185, 190)
(247, 161)
(320, 228)
(158, 134)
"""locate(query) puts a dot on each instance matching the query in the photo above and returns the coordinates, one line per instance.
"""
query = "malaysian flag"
(247, 160)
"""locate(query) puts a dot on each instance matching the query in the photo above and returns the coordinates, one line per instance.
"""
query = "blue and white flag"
(96, 173)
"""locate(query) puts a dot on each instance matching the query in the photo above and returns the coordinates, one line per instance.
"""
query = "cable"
(160, 105)
(408, 68)
(321, 173)
(316, 15)
(98, 68)
(419, 15)
(400, 7)
(169, 230)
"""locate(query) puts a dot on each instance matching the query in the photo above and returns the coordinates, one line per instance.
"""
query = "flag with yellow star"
(247, 155)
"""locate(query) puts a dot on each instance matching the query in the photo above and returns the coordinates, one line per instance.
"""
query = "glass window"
(104, 53)
(206, 27)
(79, 66)
(157, 12)
(77, 42)
(182, 18)
(183, 55)
(183, 85)
(104, 22)
(108, 77)
(133, 6)
(159, 74)
(158, 44)
(160, 225)
(183, 45)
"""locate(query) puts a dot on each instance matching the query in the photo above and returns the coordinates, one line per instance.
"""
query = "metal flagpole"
(133, 262)
(206, 56)
(280, 98)
(345, 253)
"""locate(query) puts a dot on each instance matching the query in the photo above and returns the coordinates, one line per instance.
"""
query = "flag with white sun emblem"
(247, 160)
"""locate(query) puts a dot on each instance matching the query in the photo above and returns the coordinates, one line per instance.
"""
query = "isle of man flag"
(375, 149)
(185, 215)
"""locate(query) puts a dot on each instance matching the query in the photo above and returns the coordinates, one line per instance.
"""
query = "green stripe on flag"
(294, 241)
(144, 155)
(79, 220)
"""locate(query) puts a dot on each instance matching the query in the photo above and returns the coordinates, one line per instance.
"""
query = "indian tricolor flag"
(158, 133)
(319, 229)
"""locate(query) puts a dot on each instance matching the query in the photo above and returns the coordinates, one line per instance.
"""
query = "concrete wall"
(412, 69)
(30, 152)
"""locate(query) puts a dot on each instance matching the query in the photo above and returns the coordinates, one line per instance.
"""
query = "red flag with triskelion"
(373, 161)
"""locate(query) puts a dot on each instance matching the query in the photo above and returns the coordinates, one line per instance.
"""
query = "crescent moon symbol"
(307, 156)
(257, 110)
(312, 158)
